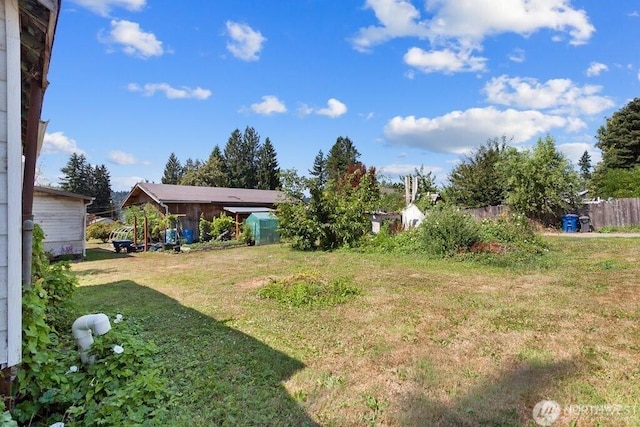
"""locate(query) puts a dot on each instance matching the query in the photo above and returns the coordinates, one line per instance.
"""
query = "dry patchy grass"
(428, 343)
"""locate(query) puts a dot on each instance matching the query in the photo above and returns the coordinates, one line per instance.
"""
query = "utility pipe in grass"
(83, 329)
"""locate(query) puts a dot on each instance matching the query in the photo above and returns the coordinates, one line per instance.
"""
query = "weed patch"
(305, 290)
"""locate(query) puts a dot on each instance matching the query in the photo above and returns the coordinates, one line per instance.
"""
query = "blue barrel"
(570, 223)
(187, 235)
(171, 236)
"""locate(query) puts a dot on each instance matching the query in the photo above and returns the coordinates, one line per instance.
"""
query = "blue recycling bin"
(187, 235)
(570, 223)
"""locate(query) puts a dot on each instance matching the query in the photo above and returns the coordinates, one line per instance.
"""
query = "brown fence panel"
(614, 212)
(488, 211)
(605, 213)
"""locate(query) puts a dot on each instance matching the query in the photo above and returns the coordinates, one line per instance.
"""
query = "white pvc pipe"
(83, 329)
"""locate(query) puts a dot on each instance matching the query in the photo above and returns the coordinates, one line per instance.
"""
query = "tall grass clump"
(307, 290)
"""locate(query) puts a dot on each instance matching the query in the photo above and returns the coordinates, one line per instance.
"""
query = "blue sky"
(411, 83)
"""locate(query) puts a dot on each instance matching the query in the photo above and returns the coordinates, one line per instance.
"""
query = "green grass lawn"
(425, 342)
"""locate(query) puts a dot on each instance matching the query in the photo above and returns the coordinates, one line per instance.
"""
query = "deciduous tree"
(541, 183)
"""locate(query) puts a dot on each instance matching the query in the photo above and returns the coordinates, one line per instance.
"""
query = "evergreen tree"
(217, 154)
(585, 166)
(619, 138)
(172, 171)
(341, 155)
(477, 181)
(103, 202)
(234, 160)
(319, 170)
(209, 174)
(250, 149)
(268, 174)
(78, 176)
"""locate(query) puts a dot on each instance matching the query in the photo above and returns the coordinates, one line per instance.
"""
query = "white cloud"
(574, 150)
(480, 18)
(446, 61)
(595, 68)
(633, 14)
(125, 183)
(270, 104)
(459, 132)
(455, 29)
(304, 109)
(556, 95)
(399, 18)
(170, 92)
(517, 55)
(133, 40)
(334, 109)
(245, 42)
(103, 7)
(59, 143)
(471, 20)
(121, 158)
(405, 169)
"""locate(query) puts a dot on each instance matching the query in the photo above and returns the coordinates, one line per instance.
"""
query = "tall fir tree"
(172, 171)
(78, 176)
(268, 171)
(103, 203)
(250, 149)
(234, 160)
(341, 155)
(319, 169)
(585, 165)
(619, 138)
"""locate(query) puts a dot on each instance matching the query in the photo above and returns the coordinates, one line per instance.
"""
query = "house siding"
(10, 187)
(62, 219)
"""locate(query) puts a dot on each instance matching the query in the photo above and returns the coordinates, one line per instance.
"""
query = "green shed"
(264, 226)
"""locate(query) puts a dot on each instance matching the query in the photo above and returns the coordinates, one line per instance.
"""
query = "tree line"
(245, 162)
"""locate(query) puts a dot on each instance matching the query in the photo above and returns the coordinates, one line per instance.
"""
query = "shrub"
(247, 234)
(204, 227)
(512, 232)
(100, 231)
(223, 227)
(447, 230)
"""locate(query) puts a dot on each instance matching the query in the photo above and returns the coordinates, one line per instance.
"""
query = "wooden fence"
(604, 213)
(613, 213)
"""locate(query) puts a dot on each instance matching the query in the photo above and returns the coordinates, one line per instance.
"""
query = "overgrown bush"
(447, 230)
(247, 234)
(100, 231)
(223, 227)
(121, 388)
(204, 228)
(512, 232)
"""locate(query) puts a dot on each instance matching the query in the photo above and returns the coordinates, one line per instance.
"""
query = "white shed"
(412, 216)
(63, 218)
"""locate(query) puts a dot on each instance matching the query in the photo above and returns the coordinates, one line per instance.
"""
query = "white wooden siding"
(10, 187)
(62, 220)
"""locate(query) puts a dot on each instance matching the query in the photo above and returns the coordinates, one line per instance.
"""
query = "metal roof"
(56, 192)
(168, 193)
(246, 209)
